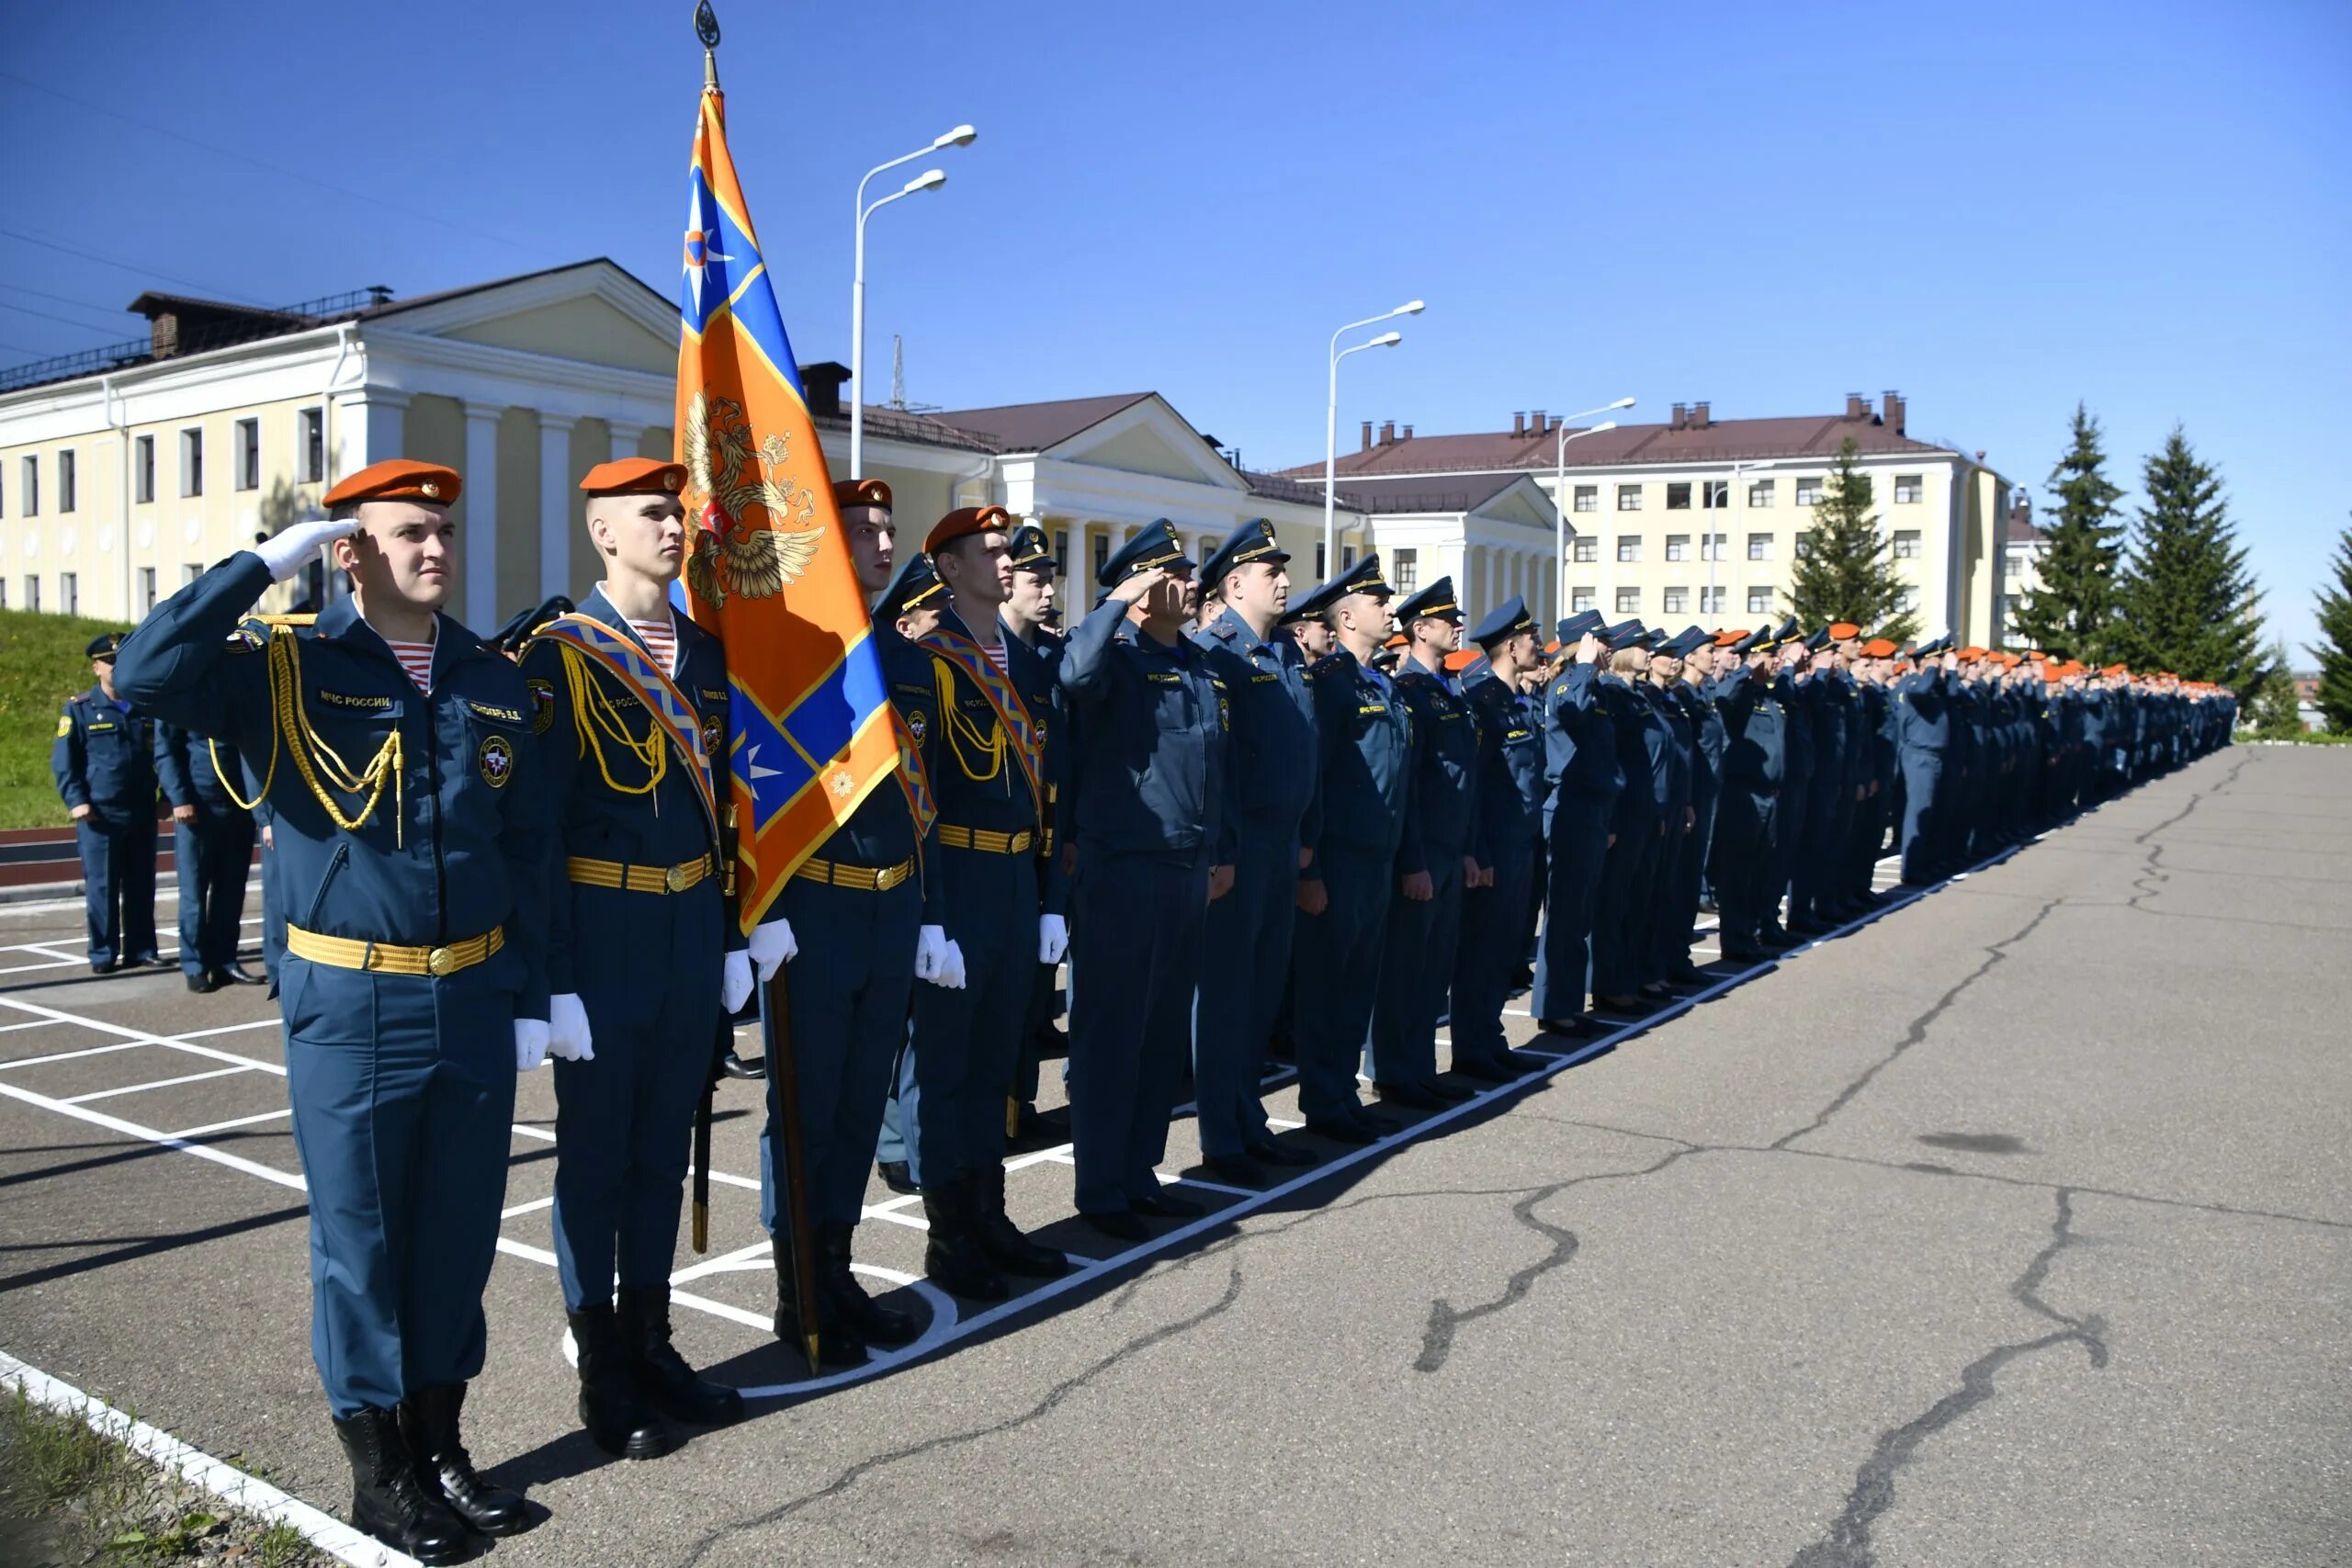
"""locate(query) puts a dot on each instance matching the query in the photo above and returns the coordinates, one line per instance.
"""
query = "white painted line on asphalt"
(232, 1028)
(232, 1121)
(70, 1055)
(224, 1480)
(139, 1035)
(159, 1082)
(912, 1221)
(533, 1207)
(150, 1135)
(31, 1023)
(1168, 1180)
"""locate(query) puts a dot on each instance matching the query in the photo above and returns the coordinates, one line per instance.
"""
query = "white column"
(482, 516)
(370, 425)
(555, 504)
(625, 439)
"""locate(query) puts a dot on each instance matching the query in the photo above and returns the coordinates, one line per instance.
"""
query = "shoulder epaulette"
(1327, 662)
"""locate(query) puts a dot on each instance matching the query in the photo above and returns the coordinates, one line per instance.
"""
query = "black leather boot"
(874, 1322)
(838, 1342)
(429, 1423)
(616, 1423)
(953, 1257)
(388, 1501)
(661, 1374)
(1000, 1240)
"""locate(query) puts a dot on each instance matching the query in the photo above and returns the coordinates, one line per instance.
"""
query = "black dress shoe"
(1452, 1093)
(1342, 1130)
(203, 985)
(236, 974)
(1269, 1151)
(896, 1176)
(1659, 991)
(1807, 926)
(1034, 1129)
(1161, 1206)
(1577, 1028)
(154, 960)
(1483, 1072)
(1521, 1063)
(1621, 1004)
(1689, 975)
(1378, 1125)
(1411, 1096)
(1744, 952)
(734, 1066)
(429, 1423)
(102, 965)
(1239, 1169)
(1120, 1224)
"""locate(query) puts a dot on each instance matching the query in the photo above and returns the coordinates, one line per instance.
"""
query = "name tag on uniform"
(1263, 679)
(339, 700)
(1372, 707)
(98, 724)
(492, 711)
(710, 696)
(1163, 678)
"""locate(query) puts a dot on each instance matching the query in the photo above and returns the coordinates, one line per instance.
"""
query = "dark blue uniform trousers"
(118, 888)
(214, 858)
(1796, 802)
(967, 1042)
(1620, 964)
(849, 986)
(1579, 846)
(1922, 775)
(1745, 822)
(1674, 902)
(1138, 933)
(1245, 960)
(403, 1095)
(1493, 920)
(1416, 966)
(1337, 967)
(649, 975)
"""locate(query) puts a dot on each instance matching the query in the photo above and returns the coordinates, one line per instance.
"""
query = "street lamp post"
(1331, 416)
(1738, 471)
(1560, 498)
(931, 180)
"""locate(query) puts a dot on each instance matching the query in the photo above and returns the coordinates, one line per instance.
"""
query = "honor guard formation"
(1339, 828)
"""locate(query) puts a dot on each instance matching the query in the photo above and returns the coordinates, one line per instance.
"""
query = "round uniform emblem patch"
(917, 726)
(542, 704)
(496, 762)
(711, 732)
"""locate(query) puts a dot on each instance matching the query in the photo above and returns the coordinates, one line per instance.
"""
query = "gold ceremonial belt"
(638, 878)
(388, 958)
(982, 838)
(865, 879)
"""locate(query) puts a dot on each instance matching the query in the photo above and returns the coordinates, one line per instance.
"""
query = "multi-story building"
(2022, 547)
(1695, 519)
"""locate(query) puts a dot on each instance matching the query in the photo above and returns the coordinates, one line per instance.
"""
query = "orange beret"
(1844, 631)
(398, 479)
(966, 520)
(635, 476)
(2052, 673)
(1878, 647)
(1725, 639)
(2116, 670)
(1971, 654)
(860, 492)
(1550, 648)
(1396, 640)
(1461, 658)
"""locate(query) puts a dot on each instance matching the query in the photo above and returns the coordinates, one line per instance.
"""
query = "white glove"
(735, 982)
(771, 944)
(568, 1034)
(289, 550)
(931, 952)
(951, 968)
(1053, 939)
(530, 1043)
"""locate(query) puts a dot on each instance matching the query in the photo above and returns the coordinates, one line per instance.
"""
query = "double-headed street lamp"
(1560, 497)
(1331, 417)
(930, 180)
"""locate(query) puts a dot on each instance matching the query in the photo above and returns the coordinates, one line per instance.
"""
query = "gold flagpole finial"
(706, 29)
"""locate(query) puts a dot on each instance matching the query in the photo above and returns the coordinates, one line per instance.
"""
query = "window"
(1759, 492)
(310, 448)
(1760, 546)
(32, 592)
(1061, 547)
(1715, 494)
(1407, 566)
(1629, 547)
(69, 592)
(1321, 571)
(1710, 546)
(1347, 556)
(1805, 545)
(146, 590)
(1103, 555)
(1907, 544)
(1759, 601)
(29, 487)
(1906, 602)
(142, 468)
(1629, 497)
(1907, 490)
(1673, 601)
(1585, 547)
(191, 462)
(1809, 493)
(1588, 498)
(1579, 600)
(1710, 601)
(1677, 497)
(249, 454)
(189, 573)
(66, 481)
(1629, 601)
(4, 592)
(1677, 546)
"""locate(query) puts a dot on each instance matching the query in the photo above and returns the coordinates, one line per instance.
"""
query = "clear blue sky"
(1996, 208)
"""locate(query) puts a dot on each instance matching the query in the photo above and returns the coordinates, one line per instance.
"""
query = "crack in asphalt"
(2196, 799)
(1848, 1542)
(1918, 1032)
(1053, 1397)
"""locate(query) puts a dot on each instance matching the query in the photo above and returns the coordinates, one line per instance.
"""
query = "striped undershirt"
(661, 639)
(996, 653)
(416, 658)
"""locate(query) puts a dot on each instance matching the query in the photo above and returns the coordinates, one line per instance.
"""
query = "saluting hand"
(289, 550)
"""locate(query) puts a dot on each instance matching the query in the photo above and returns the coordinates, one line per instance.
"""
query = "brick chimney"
(1367, 436)
(1387, 431)
(1891, 411)
(1682, 417)
(1518, 424)
(823, 382)
(1537, 422)
(1856, 406)
(1405, 433)
(1699, 416)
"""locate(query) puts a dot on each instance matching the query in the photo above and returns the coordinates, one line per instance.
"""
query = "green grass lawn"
(41, 665)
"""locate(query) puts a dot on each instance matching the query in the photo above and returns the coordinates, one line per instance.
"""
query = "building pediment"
(592, 312)
(1150, 437)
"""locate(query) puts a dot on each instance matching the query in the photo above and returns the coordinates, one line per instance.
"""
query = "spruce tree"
(1850, 574)
(2071, 615)
(2272, 704)
(2334, 651)
(2187, 601)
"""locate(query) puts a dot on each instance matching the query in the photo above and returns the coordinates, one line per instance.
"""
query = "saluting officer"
(1507, 843)
(1583, 780)
(1348, 872)
(1674, 904)
(399, 767)
(1433, 863)
(630, 699)
(1151, 798)
(1026, 611)
(1756, 722)
(1924, 737)
(104, 762)
(1271, 763)
(212, 832)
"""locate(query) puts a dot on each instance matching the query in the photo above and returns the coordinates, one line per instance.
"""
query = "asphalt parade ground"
(2011, 1226)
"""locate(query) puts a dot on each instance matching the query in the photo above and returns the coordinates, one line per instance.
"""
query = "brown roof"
(1718, 441)
(1034, 427)
(1465, 492)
